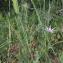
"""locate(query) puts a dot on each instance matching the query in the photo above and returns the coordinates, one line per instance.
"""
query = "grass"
(24, 37)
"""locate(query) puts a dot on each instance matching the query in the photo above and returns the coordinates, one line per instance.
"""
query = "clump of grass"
(26, 35)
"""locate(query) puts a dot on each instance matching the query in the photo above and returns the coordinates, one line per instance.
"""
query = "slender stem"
(57, 43)
(36, 12)
(9, 33)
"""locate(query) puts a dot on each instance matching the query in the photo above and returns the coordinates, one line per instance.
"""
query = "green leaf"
(61, 58)
(15, 5)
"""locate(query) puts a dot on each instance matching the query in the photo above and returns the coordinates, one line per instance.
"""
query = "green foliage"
(15, 5)
(23, 32)
(61, 58)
